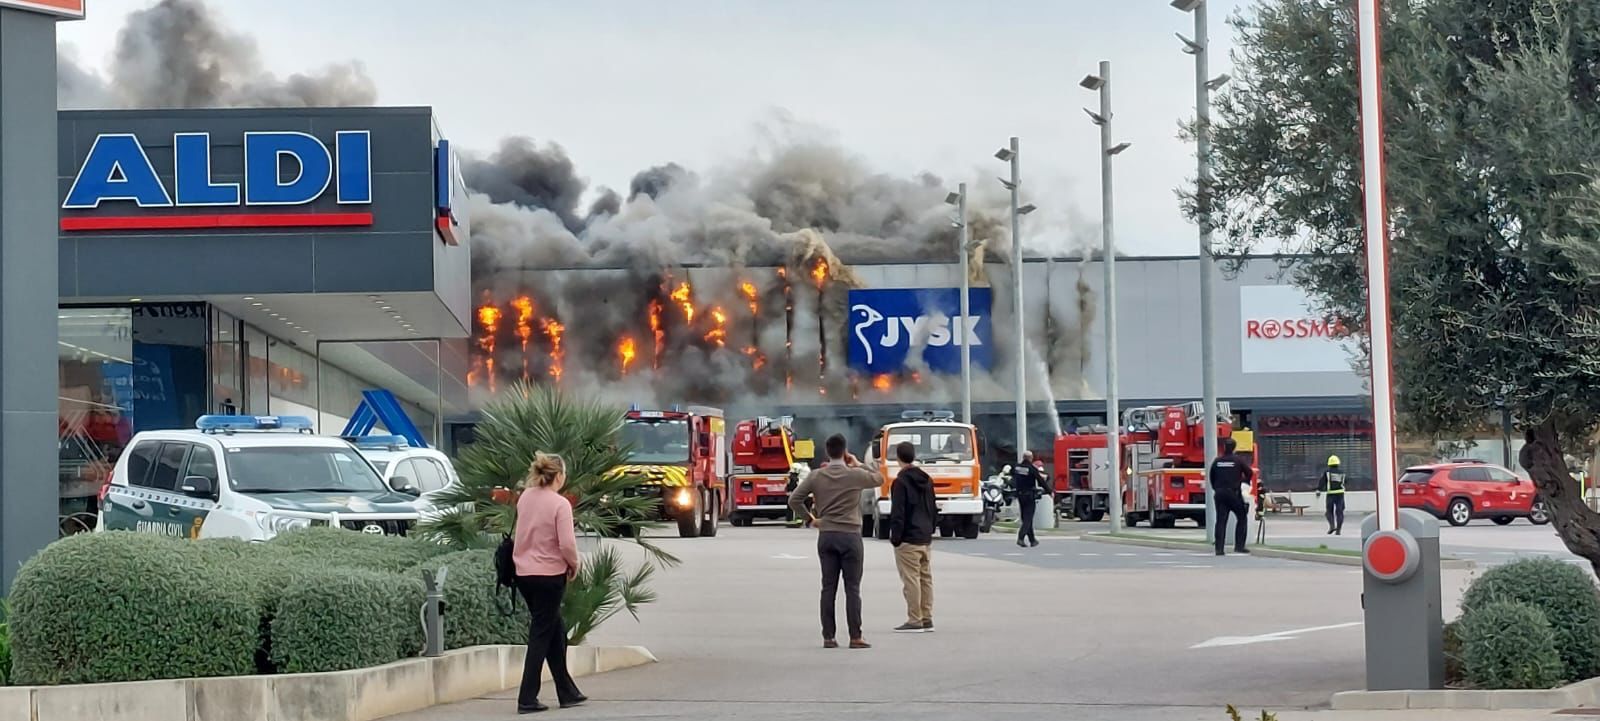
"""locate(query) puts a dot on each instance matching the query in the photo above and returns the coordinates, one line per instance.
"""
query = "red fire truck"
(767, 461)
(1163, 466)
(681, 457)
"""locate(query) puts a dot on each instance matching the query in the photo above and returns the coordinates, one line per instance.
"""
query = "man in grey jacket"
(835, 490)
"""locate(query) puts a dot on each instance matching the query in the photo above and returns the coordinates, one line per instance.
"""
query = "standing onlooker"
(545, 548)
(1028, 482)
(1228, 472)
(1333, 485)
(913, 513)
(835, 490)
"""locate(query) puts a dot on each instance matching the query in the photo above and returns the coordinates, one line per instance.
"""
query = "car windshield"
(657, 441)
(290, 469)
(934, 443)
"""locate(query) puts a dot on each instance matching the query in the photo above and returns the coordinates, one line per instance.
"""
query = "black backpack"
(505, 575)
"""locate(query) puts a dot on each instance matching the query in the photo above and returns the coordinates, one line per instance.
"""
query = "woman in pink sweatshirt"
(545, 549)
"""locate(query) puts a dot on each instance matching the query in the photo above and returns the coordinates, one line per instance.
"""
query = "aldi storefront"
(263, 261)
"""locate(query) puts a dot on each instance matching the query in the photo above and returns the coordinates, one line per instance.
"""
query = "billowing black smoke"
(523, 174)
(175, 54)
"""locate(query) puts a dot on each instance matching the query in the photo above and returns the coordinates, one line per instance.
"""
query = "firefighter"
(1228, 473)
(1029, 484)
(1333, 484)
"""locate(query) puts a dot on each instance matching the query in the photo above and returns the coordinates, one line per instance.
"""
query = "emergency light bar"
(378, 443)
(231, 424)
(928, 415)
(650, 414)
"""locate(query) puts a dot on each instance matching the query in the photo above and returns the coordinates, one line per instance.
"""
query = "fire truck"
(681, 457)
(1163, 466)
(947, 451)
(767, 462)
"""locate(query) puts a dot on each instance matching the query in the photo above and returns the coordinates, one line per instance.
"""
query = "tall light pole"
(1199, 47)
(1013, 154)
(959, 199)
(1108, 150)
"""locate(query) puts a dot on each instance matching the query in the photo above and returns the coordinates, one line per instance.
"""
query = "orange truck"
(767, 463)
(948, 451)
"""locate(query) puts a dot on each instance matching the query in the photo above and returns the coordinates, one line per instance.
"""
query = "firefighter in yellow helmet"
(1332, 484)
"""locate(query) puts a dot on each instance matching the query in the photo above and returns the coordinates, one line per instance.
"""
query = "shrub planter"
(1581, 694)
(355, 695)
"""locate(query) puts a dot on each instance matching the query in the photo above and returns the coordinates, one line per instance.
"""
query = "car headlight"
(683, 497)
(279, 524)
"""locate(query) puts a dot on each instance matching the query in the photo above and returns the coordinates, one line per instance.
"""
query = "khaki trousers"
(916, 578)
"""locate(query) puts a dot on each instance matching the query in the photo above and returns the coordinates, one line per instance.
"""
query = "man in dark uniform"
(1228, 473)
(1333, 485)
(1028, 481)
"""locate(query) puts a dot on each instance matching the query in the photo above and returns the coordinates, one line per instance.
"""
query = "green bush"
(473, 614)
(334, 619)
(5, 643)
(1453, 673)
(99, 607)
(1566, 594)
(1509, 645)
(338, 547)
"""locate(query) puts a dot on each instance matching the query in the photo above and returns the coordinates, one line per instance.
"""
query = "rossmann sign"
(273, 179)
(1280, 332)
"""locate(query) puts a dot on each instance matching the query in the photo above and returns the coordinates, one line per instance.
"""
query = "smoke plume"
(175, 54)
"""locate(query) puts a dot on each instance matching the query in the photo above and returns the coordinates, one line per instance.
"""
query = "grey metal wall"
(398, 252)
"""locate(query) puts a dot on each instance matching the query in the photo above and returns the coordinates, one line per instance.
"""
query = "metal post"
(433, 610)
(1016, 300)
(1377, 218)
(966, 326)
(1208, 377)
(1109, 251)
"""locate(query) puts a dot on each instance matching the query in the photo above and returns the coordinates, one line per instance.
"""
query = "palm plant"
(525, 420)
(602, 590)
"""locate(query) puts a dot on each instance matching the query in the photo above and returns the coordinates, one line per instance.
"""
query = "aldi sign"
(890, 329)
(283, 172)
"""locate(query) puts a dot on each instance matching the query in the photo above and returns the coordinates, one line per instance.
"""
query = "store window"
(227, 364)
(95, 393)
(1292, 451)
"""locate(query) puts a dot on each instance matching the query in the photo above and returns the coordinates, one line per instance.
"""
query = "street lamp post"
(1199, 47)
(1013, 154)
(1102, 83)
(959, 199)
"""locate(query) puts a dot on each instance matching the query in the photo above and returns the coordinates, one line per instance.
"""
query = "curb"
(1307, 556)
(1580, 694)
(354, 695)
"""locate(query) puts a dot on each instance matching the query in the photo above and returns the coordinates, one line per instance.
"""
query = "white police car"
(249, 477)
(408, 469)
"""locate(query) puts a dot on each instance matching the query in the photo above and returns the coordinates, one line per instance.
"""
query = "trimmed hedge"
(388, 554)
(1509, 645)
(343, 618)
(1565, 593)
(476, 612)
(99, 607)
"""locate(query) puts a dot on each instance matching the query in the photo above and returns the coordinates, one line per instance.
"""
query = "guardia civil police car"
(408, 469)
(248, 477)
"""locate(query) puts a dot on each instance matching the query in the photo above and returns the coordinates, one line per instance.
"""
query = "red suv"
(1458, 492)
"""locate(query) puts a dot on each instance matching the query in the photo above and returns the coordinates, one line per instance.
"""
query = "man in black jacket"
(1228, 473)
(912, 517)
(1029, 484)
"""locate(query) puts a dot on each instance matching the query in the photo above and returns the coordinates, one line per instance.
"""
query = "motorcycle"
(997, 494)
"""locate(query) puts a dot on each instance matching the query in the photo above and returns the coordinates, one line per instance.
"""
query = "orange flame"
(655, 329)
(757, 358)
(524, 306)
(681, 296)
(883, 382)
(719, 333)
(553, 330)
(749, 291)
(489, 319)
(625, 351)
(819, 272)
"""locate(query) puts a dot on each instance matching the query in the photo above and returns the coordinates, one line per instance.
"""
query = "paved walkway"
(1067, 636)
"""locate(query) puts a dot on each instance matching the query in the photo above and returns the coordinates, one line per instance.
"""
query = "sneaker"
(927, 626)
(859, 643)
(830, 643)
(1034, 543)
(1220, 553)
(909, 627)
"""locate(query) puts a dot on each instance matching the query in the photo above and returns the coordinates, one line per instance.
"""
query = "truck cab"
(947, 450)
(679, 457)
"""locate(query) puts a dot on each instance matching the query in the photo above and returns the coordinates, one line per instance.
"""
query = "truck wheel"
(969, 528)
(1131, 520)
(1162, 521)
(882, 527)
(689, 519)
(1097, 516)
(737, 519)
(708, 524)
(868, 527)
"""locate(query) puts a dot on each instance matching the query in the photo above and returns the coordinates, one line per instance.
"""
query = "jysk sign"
(891, 327)
(283, 172)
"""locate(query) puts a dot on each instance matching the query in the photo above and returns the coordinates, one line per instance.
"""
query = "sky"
(911, 87)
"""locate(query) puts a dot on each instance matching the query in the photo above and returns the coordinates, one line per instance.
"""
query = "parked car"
(1460, 491)
(409, 469)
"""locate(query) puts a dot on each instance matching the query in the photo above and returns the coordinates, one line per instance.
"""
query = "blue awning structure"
(380, 406)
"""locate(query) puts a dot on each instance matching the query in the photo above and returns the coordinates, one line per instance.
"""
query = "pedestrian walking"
(835, 494)
(1029, 484)
(1333, 486)
(913, 514)
(1228, 473)
(545, 549)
